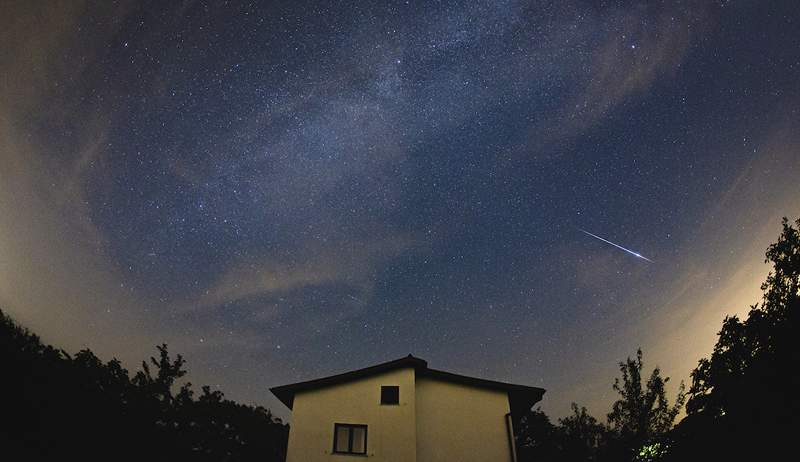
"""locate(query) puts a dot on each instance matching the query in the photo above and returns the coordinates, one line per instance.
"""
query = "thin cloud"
(350, 264)
(641, 47)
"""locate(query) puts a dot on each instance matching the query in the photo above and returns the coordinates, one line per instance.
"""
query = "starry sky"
(286, 190)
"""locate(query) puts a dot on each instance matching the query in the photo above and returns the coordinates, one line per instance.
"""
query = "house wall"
(391, 430)
(460, 423)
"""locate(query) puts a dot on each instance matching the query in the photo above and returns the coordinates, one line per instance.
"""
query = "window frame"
(396, 387)
(349, 449)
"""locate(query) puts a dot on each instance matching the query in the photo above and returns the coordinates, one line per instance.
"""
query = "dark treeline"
(61, 407)
(743, 402)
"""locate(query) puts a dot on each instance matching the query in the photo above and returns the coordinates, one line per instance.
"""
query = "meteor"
(354, 298)
(635, 254)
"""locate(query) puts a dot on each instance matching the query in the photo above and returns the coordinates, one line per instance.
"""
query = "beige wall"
(460, 423)
(436, 421)
(391, 429)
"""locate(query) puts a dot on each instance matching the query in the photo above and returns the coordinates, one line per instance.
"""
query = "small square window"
(390, 394)
(349, 439)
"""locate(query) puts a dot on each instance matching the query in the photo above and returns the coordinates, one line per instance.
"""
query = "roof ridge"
(523, 394)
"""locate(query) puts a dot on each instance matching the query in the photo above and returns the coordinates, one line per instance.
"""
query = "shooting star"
(356, 299)
(635, 254)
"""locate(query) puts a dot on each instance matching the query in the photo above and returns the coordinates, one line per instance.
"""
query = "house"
(404, 411)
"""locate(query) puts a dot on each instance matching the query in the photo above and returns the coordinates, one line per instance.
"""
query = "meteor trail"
(635, 254)
(354, 298)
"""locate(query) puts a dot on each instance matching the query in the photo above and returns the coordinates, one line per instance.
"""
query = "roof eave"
(285, 393)
(521, 398)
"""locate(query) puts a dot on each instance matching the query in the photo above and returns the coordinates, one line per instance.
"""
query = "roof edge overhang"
(521, 397)
(286, 393)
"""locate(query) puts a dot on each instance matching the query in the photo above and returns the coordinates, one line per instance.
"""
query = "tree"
(57, 406)
(643, 412)
(580, 435)
(744, 348)
(168, 373)
(744, 399)
(536, 437)
(636, 426)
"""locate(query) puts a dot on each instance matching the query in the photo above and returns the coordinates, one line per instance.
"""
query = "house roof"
(521, 397)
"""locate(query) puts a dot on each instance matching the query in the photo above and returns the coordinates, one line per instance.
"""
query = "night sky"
(282, 191)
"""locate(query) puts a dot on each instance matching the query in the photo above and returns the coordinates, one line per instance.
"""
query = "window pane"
(359, 439)
(342, 439)
(390, 394)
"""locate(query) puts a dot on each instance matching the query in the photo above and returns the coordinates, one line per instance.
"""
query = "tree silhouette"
(576, 438)
(160, 385)
(581, 435)
(536, 437)
(642, 413)
(636, 426)
(56, 406)
(744, 399)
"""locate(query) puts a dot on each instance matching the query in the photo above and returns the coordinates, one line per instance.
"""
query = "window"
(390, 394)
(349, 439)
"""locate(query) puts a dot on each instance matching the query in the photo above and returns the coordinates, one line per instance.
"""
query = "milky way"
(283, 190)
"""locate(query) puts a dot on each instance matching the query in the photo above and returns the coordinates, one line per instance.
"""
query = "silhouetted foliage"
(536, 437)
(636, 426)
(744, 399)
(581, 435)
(642, 413)
(56, 406)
